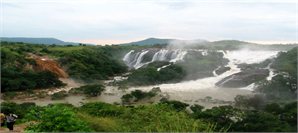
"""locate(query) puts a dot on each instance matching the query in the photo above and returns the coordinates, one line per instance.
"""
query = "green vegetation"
(287, 62)
(149, 75)
(283, 86)
(56, 118)
(90, 64)
(194, 66)
(16, 73)
(82, 62)
(137, 95)
(270, 111)
(170, 116)
(198, 66)
(177, 105)
(89, 90)
(59, 95)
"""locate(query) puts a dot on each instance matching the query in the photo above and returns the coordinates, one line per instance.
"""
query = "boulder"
(221, 70)
(243, 78)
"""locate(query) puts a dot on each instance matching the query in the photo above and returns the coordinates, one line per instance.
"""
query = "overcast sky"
(117, 21)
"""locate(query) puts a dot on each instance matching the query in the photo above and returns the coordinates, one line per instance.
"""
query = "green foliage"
(196, 108)
(20, 109)
(27, 80)
(9, 95)
(286, 62)
(283, 86)
(162, 117)
(100, 124)
(198, 66)
(261, 122)
(177, 105)
(159, 118)
(82, 62)
(273, 118)
(15, 76)
(102, 109)
(57, 118)
(273, 108)
(223, 116)
(289, 115)
(137, 95)
(256, 101)
(279, 88)
(89, 90)
(59, 95)
(88, 64)
(149, 75)
(127, 98)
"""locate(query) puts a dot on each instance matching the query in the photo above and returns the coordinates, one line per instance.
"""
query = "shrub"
(89, 90)
(57, 118)
(59, 95)
(137, 95)
(179, 106)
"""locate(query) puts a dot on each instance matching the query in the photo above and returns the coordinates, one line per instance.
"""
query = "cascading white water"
(158, 69)
(271, 72)
(160, 55)
(127, 58)
(178, 55)
(234, 57)
(135, 59)
(192, 91)
(138, 64)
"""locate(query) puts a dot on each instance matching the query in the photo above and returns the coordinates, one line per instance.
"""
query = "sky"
(120, 21)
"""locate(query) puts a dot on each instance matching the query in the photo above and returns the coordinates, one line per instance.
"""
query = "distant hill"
(222, 44)
(47, 41)
(150, 41)
(153, 41)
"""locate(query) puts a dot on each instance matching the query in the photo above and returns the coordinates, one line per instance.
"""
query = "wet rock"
(221, 70)
(243, 78)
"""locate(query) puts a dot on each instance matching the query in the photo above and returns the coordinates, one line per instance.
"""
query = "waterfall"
(134, 59)
(160, 55)
(178, 55)
(127, 58)
(138, 63)
(271, 72)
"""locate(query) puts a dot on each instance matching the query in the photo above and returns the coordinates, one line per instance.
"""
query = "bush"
(91, 64)
(59, 95)
(57, 118)
(101, 109)
(149, 75)
(137, 95)
(179, 106)
(15, 74)
(89, 90)
(159, 118)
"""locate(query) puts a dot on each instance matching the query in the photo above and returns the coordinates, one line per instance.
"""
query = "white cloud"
(268, 20)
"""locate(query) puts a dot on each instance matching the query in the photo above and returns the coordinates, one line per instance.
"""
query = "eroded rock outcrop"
(46, 64)
(243, 78)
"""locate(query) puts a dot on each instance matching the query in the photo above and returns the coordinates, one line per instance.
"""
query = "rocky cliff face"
(45, 64)
(243, 78)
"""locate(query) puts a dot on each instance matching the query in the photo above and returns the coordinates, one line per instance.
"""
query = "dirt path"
(20, 128)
